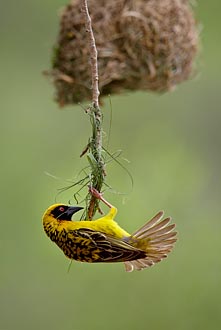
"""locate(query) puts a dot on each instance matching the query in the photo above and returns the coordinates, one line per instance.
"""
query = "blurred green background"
(173, 144)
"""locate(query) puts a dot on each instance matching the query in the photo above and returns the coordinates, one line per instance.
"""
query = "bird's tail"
(156, 238)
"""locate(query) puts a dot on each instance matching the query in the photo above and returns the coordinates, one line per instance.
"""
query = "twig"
(95, 143)
(93, 55)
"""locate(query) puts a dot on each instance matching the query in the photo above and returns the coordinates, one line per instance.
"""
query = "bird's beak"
(73, 209)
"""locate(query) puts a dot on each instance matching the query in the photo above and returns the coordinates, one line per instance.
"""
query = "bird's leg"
(98, 195)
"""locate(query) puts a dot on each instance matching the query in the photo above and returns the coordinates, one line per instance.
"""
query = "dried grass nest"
(142, 45)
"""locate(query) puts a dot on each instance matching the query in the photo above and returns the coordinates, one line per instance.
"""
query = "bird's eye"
(61, 208)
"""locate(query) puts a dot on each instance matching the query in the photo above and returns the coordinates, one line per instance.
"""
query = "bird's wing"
(110, 249)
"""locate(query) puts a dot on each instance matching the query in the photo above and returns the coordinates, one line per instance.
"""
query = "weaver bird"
(103, 240)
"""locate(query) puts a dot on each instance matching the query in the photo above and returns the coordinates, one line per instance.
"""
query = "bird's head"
(61, 211)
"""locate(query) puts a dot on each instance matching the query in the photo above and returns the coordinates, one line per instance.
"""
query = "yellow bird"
(103, 240)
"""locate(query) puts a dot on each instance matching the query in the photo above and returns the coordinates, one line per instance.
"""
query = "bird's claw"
(94, 192)
(99, 196)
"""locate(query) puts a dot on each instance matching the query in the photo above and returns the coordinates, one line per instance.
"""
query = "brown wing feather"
(110, 249)
(157, 238)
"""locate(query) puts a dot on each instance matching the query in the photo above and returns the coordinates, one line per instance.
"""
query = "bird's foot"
(94, 192)
(98, 195)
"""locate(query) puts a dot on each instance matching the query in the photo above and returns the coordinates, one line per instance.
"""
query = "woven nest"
(142, 45)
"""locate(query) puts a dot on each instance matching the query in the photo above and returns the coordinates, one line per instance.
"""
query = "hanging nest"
(142, 45)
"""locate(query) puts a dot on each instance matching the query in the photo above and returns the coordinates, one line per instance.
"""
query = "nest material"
(142, 45)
